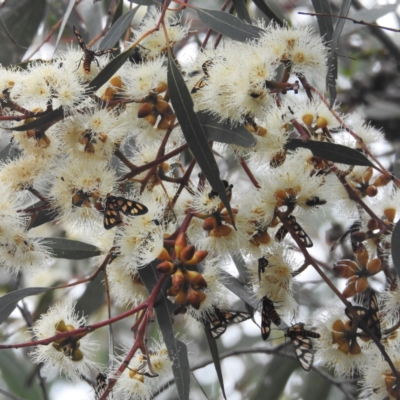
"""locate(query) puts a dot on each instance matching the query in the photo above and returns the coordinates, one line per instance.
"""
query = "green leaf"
(10, 300)
(41, 121)
(110, 69)
(64, 22)
(224, 132)
(395, 248)
(16, 372)
(241, 10)
(117, 30)
(238, 288)
(42, 217)
(93, 297)
(193, 131)
(267, 11)
(331, 151)
(177, 350)
(212, 344)
(228, 25)
(70, 249)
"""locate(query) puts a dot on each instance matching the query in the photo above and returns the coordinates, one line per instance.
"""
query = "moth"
(203, 81)
(370, 316)
(262, 264)
(116, 205)
(222, 318)
(268, 315)
(302, 344)
(89, 55)
(282, 232)
(101, 384)
(228, 190)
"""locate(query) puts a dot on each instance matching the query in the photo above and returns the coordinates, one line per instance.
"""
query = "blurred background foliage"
(368, 81)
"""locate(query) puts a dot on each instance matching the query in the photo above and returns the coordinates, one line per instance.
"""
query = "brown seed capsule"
(151, 119)
(145, 109)
(221, 231)
(358, 236)
(349, 290)
(209, 224)
(343, 271)
(164, 108)
(372, 224)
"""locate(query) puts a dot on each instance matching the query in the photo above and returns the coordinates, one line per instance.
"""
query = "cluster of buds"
(187, 284)
(69, 345)
(155, 106)
(363, 187)
(357, 272)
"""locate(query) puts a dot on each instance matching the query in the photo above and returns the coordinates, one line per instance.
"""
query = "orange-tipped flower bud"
(371, 191)
(187, 253)
(209, 224)
(173, 291)
(163, 107)
(261, 131)
(164, 255)
(321, 122)
(198, 257)
(181, 298)
(338, 326)
(374, 266)
(195, 298)
(162, 87)
(361, 285)
(344, 347)
(180, 244)
(382, 180)
(355, 347)
(195, 278)
(178, 279)
(165, 122)
(166, 268)
(362, 255)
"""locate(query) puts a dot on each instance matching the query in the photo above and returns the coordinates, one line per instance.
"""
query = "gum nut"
(187, 253)
(361, 285)
(180, 244)
(374, 266)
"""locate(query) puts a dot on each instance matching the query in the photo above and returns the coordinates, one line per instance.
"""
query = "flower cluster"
(123, 141)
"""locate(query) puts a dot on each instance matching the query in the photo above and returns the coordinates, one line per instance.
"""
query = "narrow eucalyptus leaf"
(9, 301)
(41, 121)
(70, 249)
(331, 152)
(43, 217)
(109, 70)
(177, 350)
(64, 22)
(241, 10)
(228, 25)
(224, 132)
(117, 30)
(267, 11)
(212, 344)
(193, 131)
(238, 288)
(396, 247)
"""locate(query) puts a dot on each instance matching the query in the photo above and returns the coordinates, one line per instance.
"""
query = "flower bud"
(221, 231)
(372, 224)
(209, 224)
(307, 119)
(374, 266)
(343, 271)
(161, 88)
(361, 285)
(178, 279)
(367, 175)
(261, 131)
(181, 298)
(180, 244)
(338, 326)
(362, 255)
(165, 122)
(371, 191)
(145, 109)
(349, 290)
(187, 253)
(195, 278)
(195, 298)
(166, 268)
(321, 122)
(151, 119)
(164, 108)
(173, 291)
(198, 257)
(382, 180)
(344, 347)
